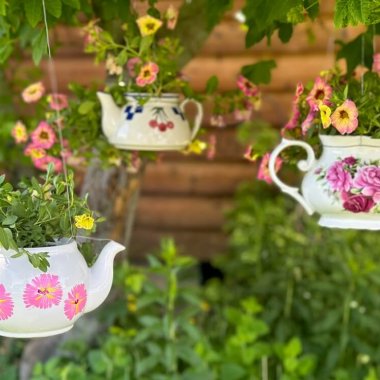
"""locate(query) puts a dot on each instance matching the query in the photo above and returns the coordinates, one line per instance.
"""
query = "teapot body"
(343, 185)
(38, 304)
(154, 123)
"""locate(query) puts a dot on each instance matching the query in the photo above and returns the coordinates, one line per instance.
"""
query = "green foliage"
(354, 12)
(38, 214)
(165, 329)
(320, 285)
(259, 72)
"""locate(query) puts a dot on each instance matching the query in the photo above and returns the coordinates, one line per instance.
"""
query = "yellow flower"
(325, 115)
(197, 147)
(84, 221)
(148, 25)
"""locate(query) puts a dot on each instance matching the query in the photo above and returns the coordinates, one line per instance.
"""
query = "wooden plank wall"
(186, 197)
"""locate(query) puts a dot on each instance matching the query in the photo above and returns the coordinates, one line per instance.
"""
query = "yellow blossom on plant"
(84, 221)
(112, 67)
(148, 25)
(325, 115)
(19, 133)
(197, 147)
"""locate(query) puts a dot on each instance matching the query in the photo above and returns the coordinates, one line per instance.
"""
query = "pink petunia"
(263, 173)
(33, 92)
(19, 133)
(34, 151)
(376, 63)
(211, 147)
(320, 93)
(292, 123)
(131, 66)
(43, 292)
(43, 136)
(58, 102)
(307, 123)
(43, 163)
(345, 117)
(248, 88)
(76, 301)
(6, 304)
(148, 74)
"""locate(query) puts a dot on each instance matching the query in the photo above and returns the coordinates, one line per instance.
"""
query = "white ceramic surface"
(160, 124)
(37, 304)
(343, 185)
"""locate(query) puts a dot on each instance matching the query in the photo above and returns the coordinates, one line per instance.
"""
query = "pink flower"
(358, 203)
(44, 292)
(376, 63)
(43, 136)
(34, 151)
(211, 147)
(319, 94)
(6, 304)
(33, 92)
(350, 160)
(243, 115)
(43, 163)
(217, 121)
(368, 180)
(338, 178)
(76, 301)
(292, 123)
(248, 88)
(58, 102)
(307, 123)
(19, 133)
(147, 74)
(263, 173)
(171, 16)
(131, 66)
(345, 117)
(250, 154)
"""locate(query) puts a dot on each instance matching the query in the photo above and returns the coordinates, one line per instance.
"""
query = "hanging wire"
(54, 87)
(362, 58)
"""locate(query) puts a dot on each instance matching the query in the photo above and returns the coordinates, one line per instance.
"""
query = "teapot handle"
(303, 165)
(198, 117)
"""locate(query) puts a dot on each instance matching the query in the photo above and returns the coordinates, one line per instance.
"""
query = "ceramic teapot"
(343, 185)
(158, 124)
(37, 304)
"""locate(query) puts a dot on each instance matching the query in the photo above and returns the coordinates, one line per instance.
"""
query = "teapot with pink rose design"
(343, 185)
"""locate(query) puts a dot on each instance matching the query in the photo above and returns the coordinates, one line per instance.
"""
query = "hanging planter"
(36, 304)
(343, 185)
(149, 123)
(337, 116)
(46, 288)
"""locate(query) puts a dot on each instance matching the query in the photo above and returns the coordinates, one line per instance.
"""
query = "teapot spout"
(101, 275)
(110, 114)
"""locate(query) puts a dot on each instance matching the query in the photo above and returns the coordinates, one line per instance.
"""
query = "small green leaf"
(259, 72)
(3, 7)
(86, 107)
(285, 32)
(72, 3)
(4, 240)
(54, 7)
(212, 85)
(9, 220)
(33, 11)
(39, 46)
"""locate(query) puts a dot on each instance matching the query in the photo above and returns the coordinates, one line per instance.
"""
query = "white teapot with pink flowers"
(343, 185)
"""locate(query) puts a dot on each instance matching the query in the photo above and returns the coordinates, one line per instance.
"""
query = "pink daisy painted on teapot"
(36, 304)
